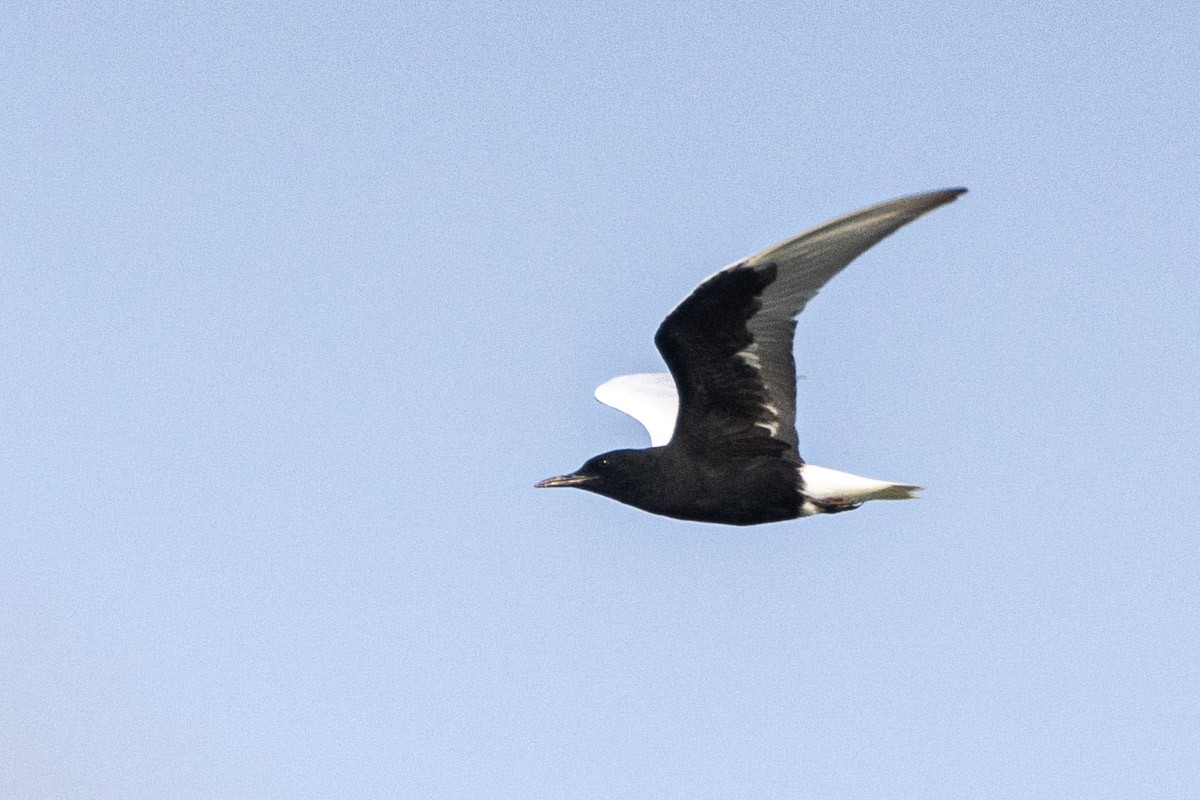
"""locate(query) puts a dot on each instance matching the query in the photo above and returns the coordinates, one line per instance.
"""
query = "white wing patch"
(651, 399)
(648, 397)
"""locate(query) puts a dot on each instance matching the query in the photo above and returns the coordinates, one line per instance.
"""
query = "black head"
(622, 475)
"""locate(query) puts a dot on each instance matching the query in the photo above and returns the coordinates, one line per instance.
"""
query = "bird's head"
(619, 474)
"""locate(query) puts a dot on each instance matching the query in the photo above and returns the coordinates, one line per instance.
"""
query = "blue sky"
(299, 302)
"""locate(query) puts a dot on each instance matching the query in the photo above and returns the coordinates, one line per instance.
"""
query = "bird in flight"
(722, 423)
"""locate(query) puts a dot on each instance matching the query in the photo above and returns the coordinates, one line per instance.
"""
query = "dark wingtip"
(947, 194)
(941, 197)
(922, 202)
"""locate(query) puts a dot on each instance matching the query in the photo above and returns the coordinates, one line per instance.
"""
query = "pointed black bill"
(563, 480)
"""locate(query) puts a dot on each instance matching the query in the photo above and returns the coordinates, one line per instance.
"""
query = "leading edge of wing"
(790, 274)
(648, 397)
(876, 222)
(871, 223)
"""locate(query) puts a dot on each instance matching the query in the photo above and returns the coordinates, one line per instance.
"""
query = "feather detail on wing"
(729, 343)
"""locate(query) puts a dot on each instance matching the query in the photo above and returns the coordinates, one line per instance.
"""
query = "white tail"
(823, 485)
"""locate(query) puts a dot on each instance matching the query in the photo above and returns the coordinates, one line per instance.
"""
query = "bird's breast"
(736, 492)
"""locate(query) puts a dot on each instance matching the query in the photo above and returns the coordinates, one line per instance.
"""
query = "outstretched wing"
(648, 397)
(729, 343)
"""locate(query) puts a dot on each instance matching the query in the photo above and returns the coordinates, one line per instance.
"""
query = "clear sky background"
(298, 302)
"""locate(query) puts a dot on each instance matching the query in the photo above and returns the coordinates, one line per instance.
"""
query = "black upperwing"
(725, 407)
(729, 343)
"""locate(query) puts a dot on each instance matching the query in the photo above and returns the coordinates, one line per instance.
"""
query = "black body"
(733, 456)
(744, 490)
